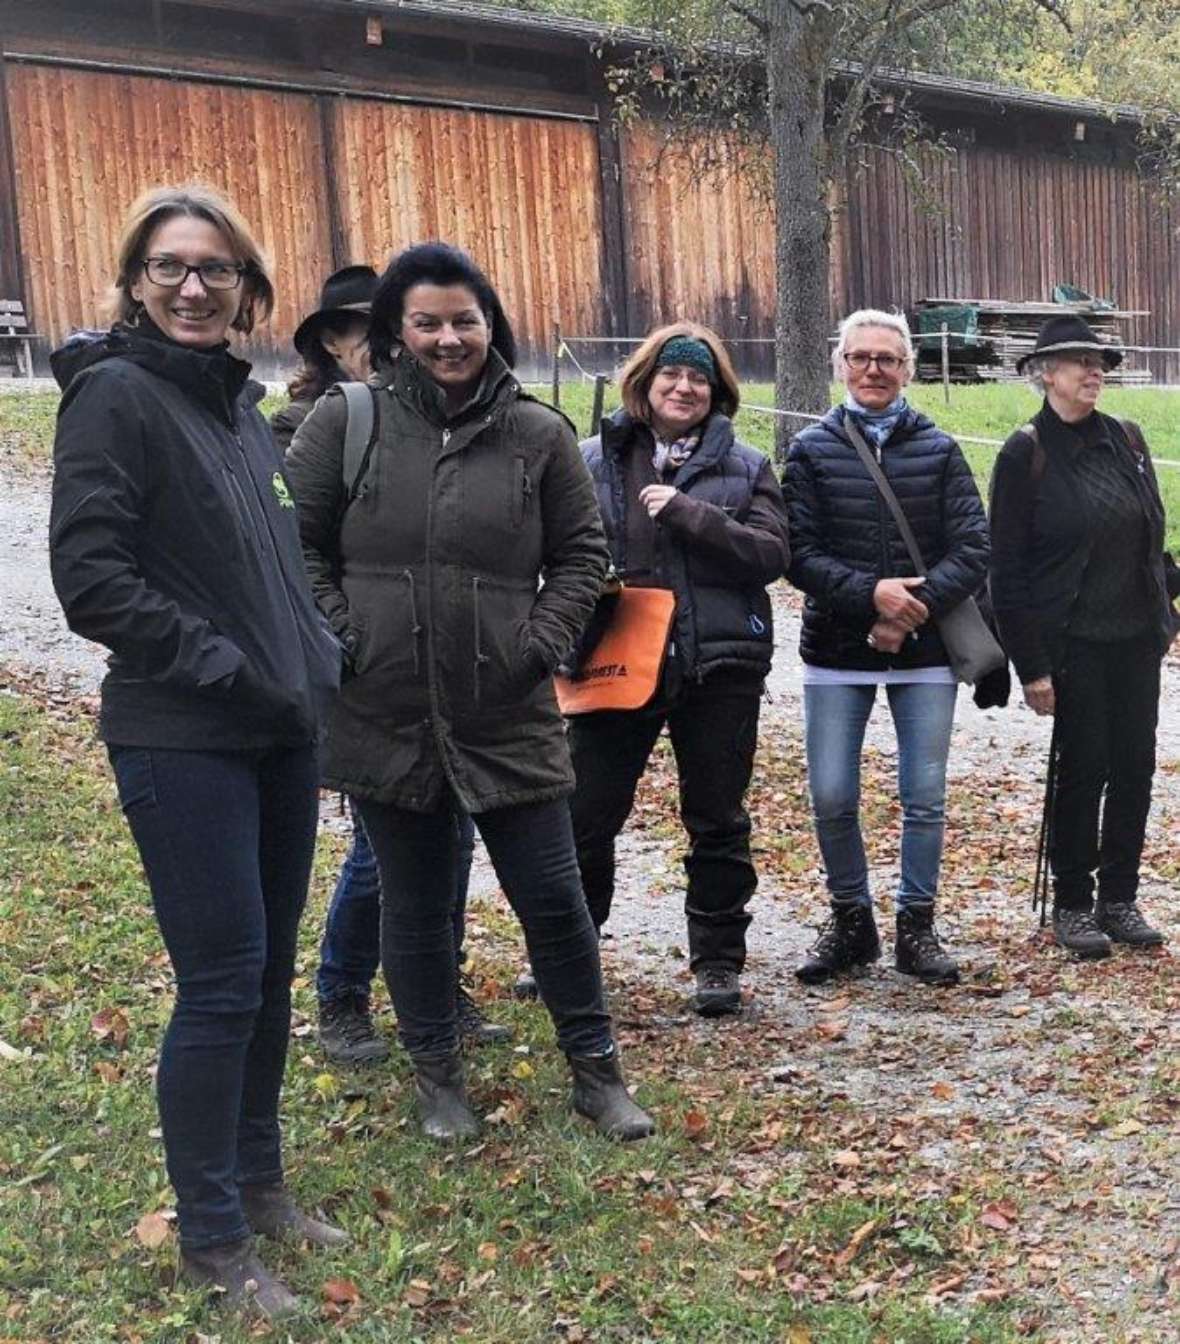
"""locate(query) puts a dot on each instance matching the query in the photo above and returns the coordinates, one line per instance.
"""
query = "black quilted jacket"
(844, 539)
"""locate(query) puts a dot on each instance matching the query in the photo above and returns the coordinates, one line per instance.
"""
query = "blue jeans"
(226, 840)
(836, 717)
(532, 850)
(350, 952)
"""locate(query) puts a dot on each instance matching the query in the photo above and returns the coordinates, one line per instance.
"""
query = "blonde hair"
(872, 317)
(637, 373)
(198, 201)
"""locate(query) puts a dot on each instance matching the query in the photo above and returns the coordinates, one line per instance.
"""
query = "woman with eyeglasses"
(869, 621)
(173, 542)
(1083, 593)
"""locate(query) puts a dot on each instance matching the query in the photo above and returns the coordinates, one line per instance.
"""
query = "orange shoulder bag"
(623, 671)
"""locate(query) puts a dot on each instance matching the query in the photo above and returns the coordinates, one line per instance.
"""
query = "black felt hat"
(345, 293)
(1070, 334)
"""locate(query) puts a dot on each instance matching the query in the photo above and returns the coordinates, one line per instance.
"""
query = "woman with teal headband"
(689, 508)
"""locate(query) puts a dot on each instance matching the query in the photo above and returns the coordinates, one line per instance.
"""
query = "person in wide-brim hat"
(1069, 335)
(333, 346)
(1082, 591)
(346, 293)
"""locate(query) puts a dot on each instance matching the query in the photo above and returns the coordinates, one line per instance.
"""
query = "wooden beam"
(328, 106)
(12, 284)
(615, 289)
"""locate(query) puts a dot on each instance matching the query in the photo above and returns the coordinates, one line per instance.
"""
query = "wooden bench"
(16, 336)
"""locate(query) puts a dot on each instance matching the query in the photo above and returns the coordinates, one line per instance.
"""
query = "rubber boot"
(240, 1278)
(442, 1098)
(271, 1211)
(601, 1095)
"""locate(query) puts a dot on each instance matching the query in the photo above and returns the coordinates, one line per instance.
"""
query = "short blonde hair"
(198, 201)
(637, 373)
(872, 317)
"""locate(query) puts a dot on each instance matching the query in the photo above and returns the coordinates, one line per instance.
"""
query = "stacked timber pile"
(987, 336)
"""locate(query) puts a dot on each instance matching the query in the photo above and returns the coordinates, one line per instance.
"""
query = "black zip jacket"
(716, 544)
(1042, 542)
(844, 539)
(173, 542)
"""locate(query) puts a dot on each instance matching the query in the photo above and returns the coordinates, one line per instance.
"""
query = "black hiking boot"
(525, 986)
(240, 1279)
(1122, 922)
(442, 1098)
(1076, 931)
(271, 1211)
(918, 950)
(601, 1095)
(347, 1034)
(474, 1027)
(847, 938)
(719, 991)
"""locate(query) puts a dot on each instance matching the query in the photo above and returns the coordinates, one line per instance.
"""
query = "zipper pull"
(446, 437)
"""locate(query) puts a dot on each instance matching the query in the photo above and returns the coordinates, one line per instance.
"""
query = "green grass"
(733, 1223)
(988, 412)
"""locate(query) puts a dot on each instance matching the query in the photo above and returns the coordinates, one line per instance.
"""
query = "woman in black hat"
(333, 347)
(1082, 590)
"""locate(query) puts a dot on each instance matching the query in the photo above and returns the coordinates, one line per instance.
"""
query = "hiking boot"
(240, 1278)
(474, 1027)
(271, 1211)
(601, 1095)
(1076, 931)
(442, 1098)
(847, 938)
(525, 986)
(719, 991)
(347, 1034)
(918, 950)
(1122, 922)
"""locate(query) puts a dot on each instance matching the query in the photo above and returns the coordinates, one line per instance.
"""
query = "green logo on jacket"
(282, 491)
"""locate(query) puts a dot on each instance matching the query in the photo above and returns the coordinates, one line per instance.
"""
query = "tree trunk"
(799, 49)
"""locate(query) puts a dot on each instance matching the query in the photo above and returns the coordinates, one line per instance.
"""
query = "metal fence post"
(599, 396)
(557, 364)
(946, 365)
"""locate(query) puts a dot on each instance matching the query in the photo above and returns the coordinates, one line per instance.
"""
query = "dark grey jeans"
(532, 851)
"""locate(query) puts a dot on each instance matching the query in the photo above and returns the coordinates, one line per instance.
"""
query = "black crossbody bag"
(970, 645)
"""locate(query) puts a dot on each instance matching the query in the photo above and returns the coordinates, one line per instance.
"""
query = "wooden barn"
(345, 129)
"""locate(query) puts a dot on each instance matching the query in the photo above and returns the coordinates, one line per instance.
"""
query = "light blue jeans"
(836, 717)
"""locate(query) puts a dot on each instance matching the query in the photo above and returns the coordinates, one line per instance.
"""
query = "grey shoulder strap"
(359, 399)
(865, 453)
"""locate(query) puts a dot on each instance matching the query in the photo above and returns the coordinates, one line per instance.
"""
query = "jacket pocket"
(385, 619)
(503, 670)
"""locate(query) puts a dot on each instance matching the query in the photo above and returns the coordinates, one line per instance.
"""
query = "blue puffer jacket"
(844, 539)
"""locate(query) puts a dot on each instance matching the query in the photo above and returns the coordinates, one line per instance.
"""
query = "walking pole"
(1045, 840)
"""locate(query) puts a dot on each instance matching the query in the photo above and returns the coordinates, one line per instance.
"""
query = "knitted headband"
(688, 350)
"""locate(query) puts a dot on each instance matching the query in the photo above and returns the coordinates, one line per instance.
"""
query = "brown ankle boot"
(236, 1273)
(271, 1211)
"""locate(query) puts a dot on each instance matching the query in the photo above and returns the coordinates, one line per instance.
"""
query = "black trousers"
(714, 729)
(1107, 707)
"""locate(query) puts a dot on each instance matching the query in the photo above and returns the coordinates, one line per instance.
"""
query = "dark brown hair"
(637, 373)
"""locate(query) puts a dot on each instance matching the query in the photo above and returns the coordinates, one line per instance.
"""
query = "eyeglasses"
(171, 273)
(860, 360)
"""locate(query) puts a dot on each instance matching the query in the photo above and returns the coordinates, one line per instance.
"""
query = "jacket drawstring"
(415, 625)
(480, 657)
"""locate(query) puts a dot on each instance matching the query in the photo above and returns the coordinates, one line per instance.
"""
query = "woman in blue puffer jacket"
(869, 620)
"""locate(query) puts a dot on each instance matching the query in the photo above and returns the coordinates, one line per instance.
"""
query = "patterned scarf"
(668, 458)
(876, 425)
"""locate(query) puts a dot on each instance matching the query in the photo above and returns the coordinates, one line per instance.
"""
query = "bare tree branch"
(755, 20)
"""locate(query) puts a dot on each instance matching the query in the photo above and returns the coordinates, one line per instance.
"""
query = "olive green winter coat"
(458, 577)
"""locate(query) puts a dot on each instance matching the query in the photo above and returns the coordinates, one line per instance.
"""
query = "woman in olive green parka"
(458, 570)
